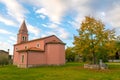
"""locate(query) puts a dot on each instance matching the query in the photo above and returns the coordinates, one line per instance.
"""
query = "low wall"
(95, 66)
(113, 60)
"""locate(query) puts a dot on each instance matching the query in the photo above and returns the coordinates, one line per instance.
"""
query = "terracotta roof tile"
(31, 49)
(56, 43)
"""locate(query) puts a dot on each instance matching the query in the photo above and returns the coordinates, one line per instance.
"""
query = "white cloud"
(44, 35)
(81, 9)
(3, 31)
(5, 46)
(33, 29)
(53, 26)
(42, 11)
(14, 9)
(61, 32)
(7, 21)
(42, 16)
(54, 9)
(113, 16)
(44, 25)
(10, 41)
(80, 6)
(13, 38)
(52, 33)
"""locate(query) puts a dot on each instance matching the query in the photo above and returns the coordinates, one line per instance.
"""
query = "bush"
(4, 60)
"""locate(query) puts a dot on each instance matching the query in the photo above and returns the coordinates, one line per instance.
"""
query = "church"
(27, 53)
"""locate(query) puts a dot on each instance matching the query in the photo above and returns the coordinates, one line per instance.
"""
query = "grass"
(70, 71)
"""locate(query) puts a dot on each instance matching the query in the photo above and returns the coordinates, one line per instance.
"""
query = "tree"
(118, 43)
(70, 54)
(92, 39)
(117, 49)
(3, 60)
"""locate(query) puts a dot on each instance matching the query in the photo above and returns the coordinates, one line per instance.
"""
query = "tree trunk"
(94, 58)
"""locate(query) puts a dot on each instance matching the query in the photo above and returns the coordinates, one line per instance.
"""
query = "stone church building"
(42, 51)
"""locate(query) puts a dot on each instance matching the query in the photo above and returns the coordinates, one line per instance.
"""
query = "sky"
(53, 17)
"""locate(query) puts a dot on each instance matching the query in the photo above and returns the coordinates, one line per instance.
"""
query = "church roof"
(40, 39)
(31, 49)
(23, 28)
(55, 43)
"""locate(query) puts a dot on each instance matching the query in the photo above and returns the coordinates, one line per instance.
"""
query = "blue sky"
(53, 17)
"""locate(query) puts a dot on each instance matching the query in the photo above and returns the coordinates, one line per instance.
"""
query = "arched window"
(23, 38)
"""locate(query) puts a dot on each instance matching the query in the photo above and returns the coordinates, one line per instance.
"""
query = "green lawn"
(70, 71)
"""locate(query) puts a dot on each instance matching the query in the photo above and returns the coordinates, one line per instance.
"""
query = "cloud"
(42, 11)
(80, 8)
(33, 29)
(44, 25)
(53, 26)
(5, 46)
(13, 38)
(63, 33)
(7, 21)
(14, 9)
(54, 9)
(42, 16)
(44, 35)
(55, 29)
(113, 16)
(106, 10)
(59, 31)
(3, 31)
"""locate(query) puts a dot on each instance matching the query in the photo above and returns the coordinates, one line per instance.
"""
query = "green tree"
(92, 39)
(118, 43)
(70, 54)
(3, 60)
(117, 49)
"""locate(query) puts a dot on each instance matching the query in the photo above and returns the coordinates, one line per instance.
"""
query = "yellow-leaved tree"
(94, 41)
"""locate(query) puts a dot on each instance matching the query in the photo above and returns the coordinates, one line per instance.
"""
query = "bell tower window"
(23, 38)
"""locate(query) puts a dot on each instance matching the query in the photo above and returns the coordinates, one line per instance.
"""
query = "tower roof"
(23, 28)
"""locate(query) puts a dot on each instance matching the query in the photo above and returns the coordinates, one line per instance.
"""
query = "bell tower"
(22, 35)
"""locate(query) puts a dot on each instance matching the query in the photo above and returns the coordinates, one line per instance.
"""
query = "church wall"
(26, 46)
(15, 56)
(31, 44)
(36, 59)
(55, 54)
(62, 53)
(22, 60)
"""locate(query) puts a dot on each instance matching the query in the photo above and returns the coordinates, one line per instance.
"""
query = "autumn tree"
(93, 39)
